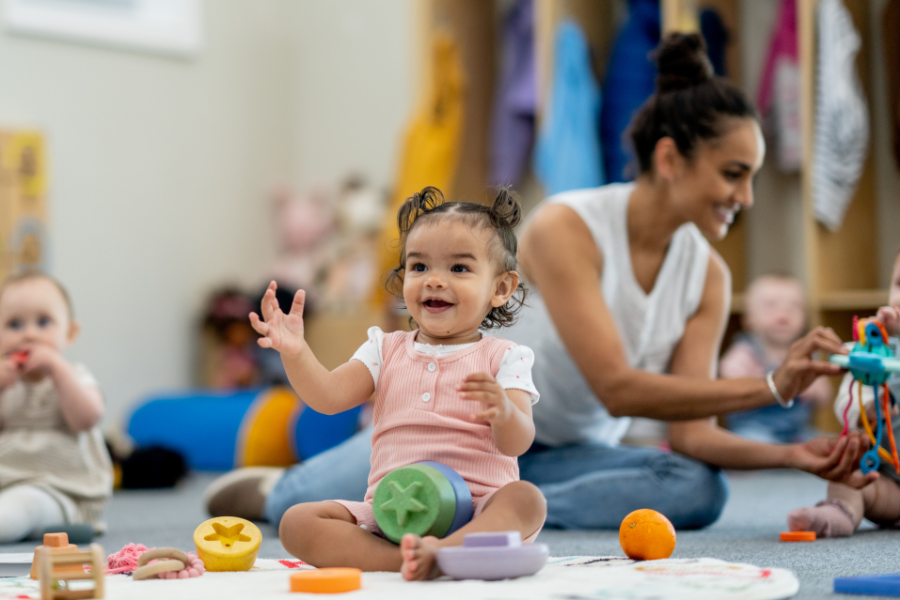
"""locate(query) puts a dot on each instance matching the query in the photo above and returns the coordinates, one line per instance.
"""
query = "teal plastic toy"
(426, 498)
(871, 362)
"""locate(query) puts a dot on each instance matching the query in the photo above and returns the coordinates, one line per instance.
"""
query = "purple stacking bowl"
(491, 556)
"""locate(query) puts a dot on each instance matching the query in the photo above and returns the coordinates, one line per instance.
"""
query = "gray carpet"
(747, 532)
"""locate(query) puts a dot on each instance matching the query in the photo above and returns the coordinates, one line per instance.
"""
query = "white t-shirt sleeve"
(369, 353)
(85, 376)
(515, 371)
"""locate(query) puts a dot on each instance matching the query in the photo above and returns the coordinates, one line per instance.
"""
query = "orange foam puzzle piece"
(327, 581)
(798, 536)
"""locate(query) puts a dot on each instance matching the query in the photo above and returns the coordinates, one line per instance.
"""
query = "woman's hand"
(834, 459)
(283, 332)
(799, 369)
(496, 408)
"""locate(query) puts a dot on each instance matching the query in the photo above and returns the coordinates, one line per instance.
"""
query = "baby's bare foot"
(419, 557)
(827, 519)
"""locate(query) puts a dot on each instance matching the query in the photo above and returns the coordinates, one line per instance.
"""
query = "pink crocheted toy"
(196, 569)
(126, 561)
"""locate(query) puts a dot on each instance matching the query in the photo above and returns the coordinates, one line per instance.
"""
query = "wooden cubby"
(843, 271)
(837, 266)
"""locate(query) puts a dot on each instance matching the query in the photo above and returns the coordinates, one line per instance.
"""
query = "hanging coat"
(842, 117)
(515, 103)
(430, 151)
(716, 35)
(779, 90)
(630, 80)
(568, 154)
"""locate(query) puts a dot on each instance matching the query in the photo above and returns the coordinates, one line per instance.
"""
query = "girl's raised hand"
(283, 332)
(481, 387)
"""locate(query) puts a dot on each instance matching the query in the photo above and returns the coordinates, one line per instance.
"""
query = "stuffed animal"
(353, 272)
(305, 224)
(230, 342)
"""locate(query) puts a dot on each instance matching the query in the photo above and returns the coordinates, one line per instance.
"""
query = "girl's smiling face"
(450, 282)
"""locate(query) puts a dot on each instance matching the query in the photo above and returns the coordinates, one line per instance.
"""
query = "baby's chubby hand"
(889, 316)
(283, 332)
(9, 371)
(41, 359)
(482, 387)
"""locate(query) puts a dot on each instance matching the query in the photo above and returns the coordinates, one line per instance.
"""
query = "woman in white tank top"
(628, 309)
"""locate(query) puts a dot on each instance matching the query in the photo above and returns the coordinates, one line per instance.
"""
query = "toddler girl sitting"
(444, 392)
(54, 467)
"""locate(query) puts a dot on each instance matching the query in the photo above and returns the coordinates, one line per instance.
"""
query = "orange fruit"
(647, 535)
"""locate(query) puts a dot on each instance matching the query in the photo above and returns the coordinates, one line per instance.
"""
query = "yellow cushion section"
(430, 148)
(265, 435)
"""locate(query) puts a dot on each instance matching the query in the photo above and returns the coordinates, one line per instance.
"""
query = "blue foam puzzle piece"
(872, 585)
(464, 507)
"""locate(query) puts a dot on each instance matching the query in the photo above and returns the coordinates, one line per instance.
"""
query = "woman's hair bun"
(682, 62)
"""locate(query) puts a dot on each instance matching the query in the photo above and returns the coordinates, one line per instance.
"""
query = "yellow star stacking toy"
(227, 543)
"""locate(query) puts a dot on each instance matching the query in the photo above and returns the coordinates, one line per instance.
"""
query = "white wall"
(159, 171)
(161, 168)
(354, 87)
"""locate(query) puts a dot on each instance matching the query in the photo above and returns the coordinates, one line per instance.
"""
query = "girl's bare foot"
(419, 557)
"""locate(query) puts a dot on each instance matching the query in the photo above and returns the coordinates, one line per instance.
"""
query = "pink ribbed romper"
(419, 417)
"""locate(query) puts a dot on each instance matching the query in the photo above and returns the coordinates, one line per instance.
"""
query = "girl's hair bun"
(682, 62)
(506, 209)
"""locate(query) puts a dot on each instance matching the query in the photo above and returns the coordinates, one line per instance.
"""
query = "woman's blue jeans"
(587, 487)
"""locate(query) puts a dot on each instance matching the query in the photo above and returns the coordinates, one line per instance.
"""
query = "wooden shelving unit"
(840, 269)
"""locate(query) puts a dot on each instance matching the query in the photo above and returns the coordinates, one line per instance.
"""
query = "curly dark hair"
(690, 103)
(501, 216)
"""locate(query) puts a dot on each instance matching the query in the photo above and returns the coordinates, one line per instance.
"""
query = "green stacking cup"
(415, 499)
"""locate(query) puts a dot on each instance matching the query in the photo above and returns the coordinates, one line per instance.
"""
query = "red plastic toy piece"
(20, 357)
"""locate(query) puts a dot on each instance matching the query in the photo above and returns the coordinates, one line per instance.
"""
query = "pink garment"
(741, 361)
(783, 44)
(419, 416)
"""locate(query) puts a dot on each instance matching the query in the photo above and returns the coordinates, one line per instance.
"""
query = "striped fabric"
(419, 417)
(842, 117)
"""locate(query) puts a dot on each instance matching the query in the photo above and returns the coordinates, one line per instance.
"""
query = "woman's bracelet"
(781, 401)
